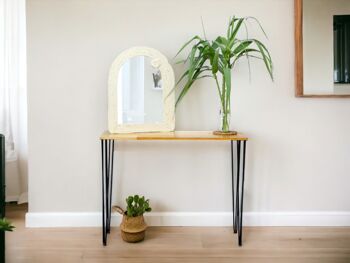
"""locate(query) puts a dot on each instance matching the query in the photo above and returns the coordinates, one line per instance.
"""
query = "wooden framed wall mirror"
(322, 42)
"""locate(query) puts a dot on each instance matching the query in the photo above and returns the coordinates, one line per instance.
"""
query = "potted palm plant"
(133, 226)
(216, 59)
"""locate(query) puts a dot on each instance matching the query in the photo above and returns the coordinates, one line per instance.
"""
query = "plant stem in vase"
(225, 121)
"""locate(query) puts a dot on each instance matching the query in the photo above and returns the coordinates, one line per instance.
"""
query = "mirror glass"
(139, 91)
(326, 47)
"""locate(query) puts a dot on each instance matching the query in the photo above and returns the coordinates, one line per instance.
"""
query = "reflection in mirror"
(342, 49)
(326, 47)
(139, 91)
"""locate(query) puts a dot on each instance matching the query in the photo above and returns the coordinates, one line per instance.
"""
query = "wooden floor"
(177, 244)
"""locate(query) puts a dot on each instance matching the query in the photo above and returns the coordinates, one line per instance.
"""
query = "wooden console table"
(107, 150)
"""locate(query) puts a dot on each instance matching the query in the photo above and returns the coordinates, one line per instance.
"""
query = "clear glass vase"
(225, 118)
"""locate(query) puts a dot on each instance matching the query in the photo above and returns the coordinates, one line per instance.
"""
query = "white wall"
(298, 155)
(318, 45)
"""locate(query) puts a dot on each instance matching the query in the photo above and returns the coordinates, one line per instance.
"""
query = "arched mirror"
(140, 97)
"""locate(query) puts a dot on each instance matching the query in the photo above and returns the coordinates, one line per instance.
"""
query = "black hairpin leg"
(107, 151)
(242, 194)
(233, 190)
(238, 189)
(104, 158)
(111, 146)
(236, 226)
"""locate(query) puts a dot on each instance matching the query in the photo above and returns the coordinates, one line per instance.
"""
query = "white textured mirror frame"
(168, 82)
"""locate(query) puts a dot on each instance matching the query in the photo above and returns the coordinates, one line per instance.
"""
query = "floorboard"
(176, 244)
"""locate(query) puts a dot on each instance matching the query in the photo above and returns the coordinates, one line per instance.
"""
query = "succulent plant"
(136, 206)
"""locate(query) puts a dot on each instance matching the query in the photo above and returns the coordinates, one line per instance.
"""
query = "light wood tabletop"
(173, 136)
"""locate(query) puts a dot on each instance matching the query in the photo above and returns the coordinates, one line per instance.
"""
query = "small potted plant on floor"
(133, 226)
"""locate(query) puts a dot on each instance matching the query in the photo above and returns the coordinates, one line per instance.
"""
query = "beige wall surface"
(298, 155)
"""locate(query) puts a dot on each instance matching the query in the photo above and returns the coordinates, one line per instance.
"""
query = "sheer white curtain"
(13, 96)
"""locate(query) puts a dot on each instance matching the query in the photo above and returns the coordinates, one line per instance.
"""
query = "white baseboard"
(194, 219)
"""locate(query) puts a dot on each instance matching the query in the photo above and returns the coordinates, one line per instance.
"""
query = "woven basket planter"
(132, 229)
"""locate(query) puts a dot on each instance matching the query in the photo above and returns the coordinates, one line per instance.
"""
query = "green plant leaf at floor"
(6, 225)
